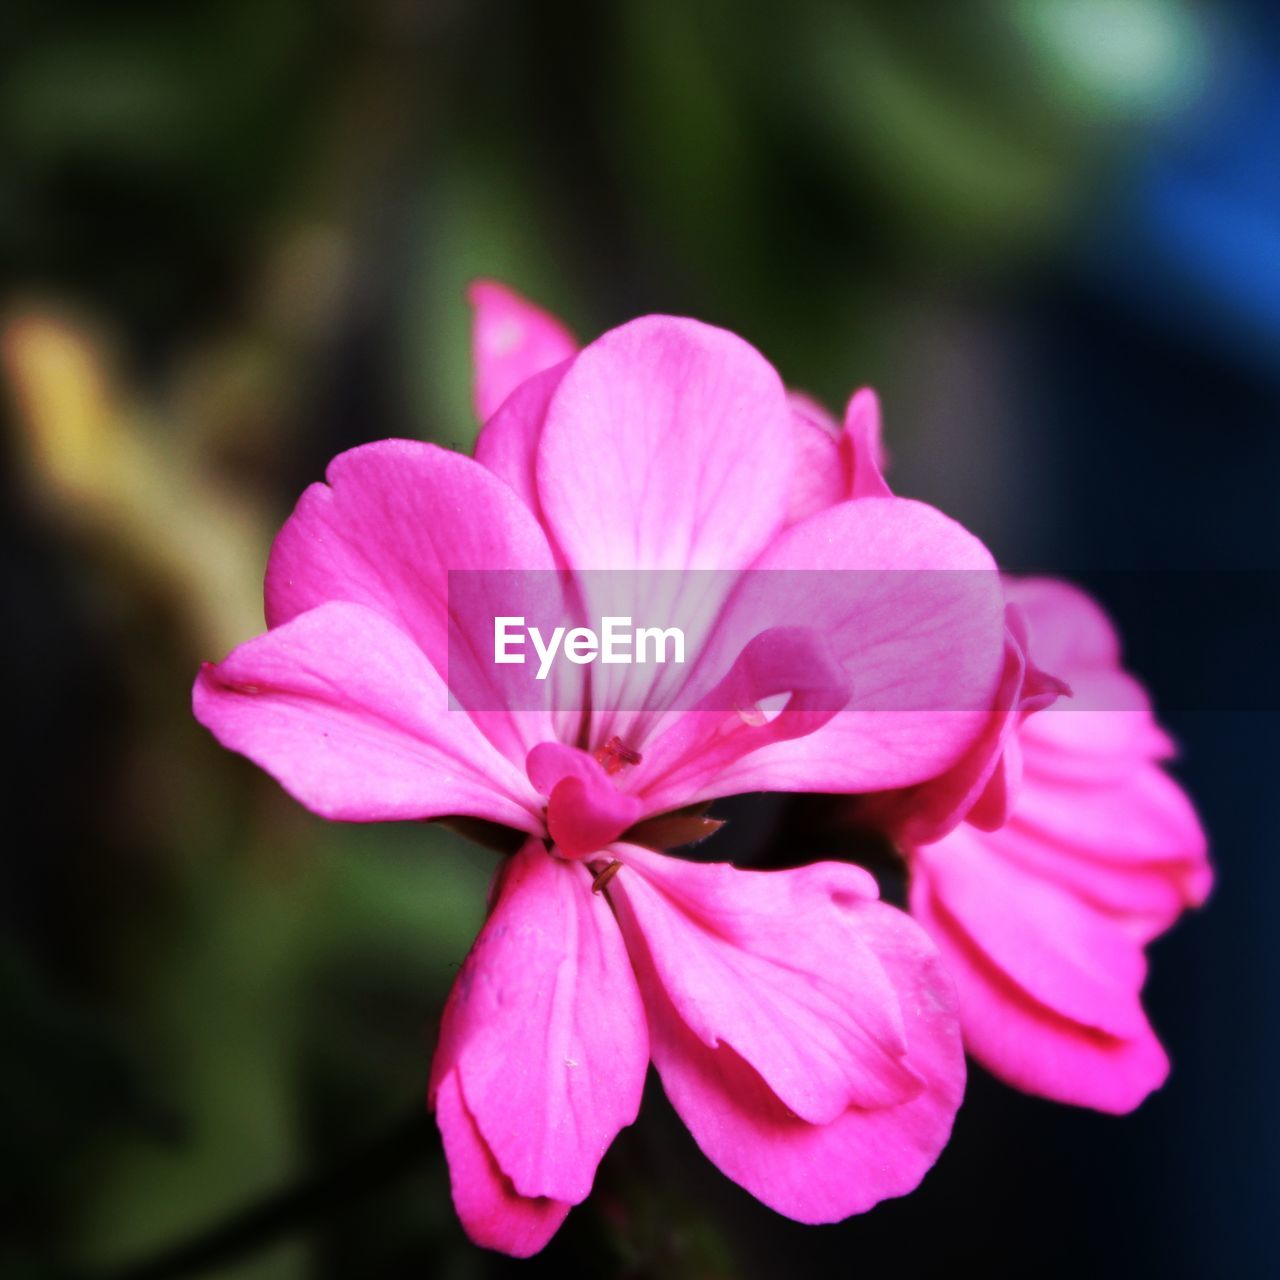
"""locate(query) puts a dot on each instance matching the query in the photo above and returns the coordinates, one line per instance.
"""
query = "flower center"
(615, 755)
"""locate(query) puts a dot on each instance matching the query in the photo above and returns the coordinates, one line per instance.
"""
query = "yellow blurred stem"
(108, 474)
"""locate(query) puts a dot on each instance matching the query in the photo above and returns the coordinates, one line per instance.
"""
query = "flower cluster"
(810, 1036)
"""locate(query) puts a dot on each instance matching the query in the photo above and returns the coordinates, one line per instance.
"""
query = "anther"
(604, 876)
(615, 754)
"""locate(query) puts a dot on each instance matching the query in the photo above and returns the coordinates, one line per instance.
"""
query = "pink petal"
(544, 1030)
(862, 447)
(1065, 955)
(1144, 898)
(508, 442)
(492, 1212)
(511, 340)
(821, 476)
(731, 720)
(805, 410)
(1028, 1045)
(395, 519)
(1143, 817)
(667, 446)
(1068, 630)
(585, 811)
(385, 530)
(1104, 732)
(916, 815)
(982, 786)
(346, 713)
(771, 997)
(831, 464)
(1107, 726)
(1133, 847)
(994, 803)
(1097, 815)
(913, 611)
(766, 962)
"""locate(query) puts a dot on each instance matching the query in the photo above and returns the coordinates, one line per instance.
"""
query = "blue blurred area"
(1195, 239)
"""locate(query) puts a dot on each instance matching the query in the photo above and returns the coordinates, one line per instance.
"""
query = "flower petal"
(585, 811)
(544, 1029)
(1068, 631)
(508, 442)
(1107, 727)
(833, 464)
(1025, 1043)
(732, 719)
(511, 340)
(1106, 730)
(393, 522)
(862, 446)
(493, 1214)
(1066, 956)
(982, 786)
(385, 530)
(912, 609)
(819, 1001)
(821, 475)
(667, 446)
(1141, 817)
(345, 712)
(1137, 851)
(929, 810)
(767, 962)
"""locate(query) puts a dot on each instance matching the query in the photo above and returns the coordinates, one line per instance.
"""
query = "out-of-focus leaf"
(482, 216)
(221, 1018)
(684, 153)
(956, 165)
(178, 91)
(411, 892)
(65, 1078)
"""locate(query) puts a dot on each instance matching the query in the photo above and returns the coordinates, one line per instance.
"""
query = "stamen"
(603, 877)
(615, 755)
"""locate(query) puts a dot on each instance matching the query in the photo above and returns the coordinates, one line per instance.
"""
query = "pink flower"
(1045, 859)
(804, 1031)
(1076, 850)
(511, 340)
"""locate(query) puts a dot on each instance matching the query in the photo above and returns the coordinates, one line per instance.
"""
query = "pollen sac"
(616, 755)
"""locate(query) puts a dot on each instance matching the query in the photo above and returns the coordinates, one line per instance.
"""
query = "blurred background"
(234, 238)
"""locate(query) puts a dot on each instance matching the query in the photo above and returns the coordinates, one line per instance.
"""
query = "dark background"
(234, 238)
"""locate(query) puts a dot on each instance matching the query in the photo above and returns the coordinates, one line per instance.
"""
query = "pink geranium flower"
(804, 1031)
(1076, 850)
(1043, 861)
